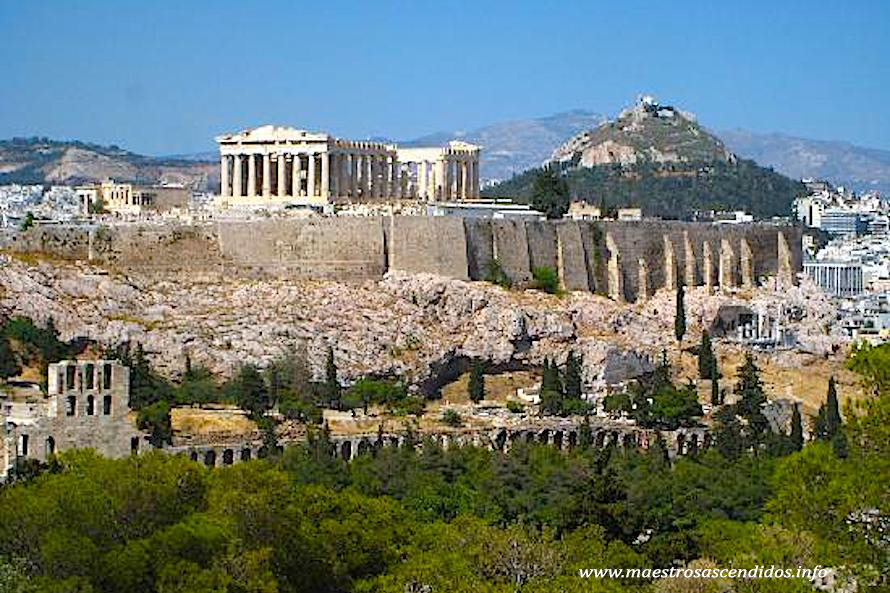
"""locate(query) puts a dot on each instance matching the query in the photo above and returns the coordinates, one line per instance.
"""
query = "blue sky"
(163, 76)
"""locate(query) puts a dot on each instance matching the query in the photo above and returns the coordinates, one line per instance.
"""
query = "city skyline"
(165, 78)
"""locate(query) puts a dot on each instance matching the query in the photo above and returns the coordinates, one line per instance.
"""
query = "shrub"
(546, 279)
(494, 273)
(452, 418)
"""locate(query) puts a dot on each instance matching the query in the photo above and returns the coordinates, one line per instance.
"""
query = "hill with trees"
(658, 158)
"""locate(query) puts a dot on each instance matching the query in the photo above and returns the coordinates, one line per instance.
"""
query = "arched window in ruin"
(49, 447)
(106, 376)
(346, 450)
(89, 372)
(23, 445)
(71, 405)
(134, 445)
(193, 455)
(210, 458)
(245, 454)
(106, 405)
(91, 405)
(228, 457)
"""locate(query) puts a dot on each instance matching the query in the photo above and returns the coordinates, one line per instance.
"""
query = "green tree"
(572, 377)
(707, 362)
(451, 418)
(680, 315)
(751, 398)
(828, 420)
(550, 192)
(155, 418)
(715, 391)
(249, 391)
(9, 365)
(28, 221)
(796, 435)
(476, 383)
(331, 383)
(728, 437)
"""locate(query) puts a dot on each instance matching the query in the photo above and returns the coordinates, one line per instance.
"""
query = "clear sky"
(163, 77)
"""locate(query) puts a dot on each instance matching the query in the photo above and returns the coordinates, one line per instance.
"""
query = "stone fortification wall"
(624, 260)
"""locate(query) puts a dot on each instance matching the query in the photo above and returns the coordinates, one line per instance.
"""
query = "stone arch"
(134, 445)
(573, 439)
(500, 440)
(193, 455)
(210, 458)
(245, 454)
(346, 450)
(600, 439)
(706, 441)
(693, 443)
(557, 439)
(629, 440)
(91, 405)
(49, 448)
(529, 436)
(681, 443)
(544, 437)
(363, 446)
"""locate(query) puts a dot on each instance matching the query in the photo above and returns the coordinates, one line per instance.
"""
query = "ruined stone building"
(281, 165)
(86, 406)
(129, 199)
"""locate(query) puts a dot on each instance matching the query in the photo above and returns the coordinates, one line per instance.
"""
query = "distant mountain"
(511, 147)
(40, 160)
(645, 133)
(658, 158)
(841, 163)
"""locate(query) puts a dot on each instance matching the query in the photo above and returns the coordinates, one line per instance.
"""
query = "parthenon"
(272, 164)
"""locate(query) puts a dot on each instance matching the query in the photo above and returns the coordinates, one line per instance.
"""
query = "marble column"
(282, 176)
(353, 182)
(440, 180)
(476, 177)
(369, 175)
(394, 184)
(464, 180)
(267, 175)
(422, 186)
(224, 175)
(310, 184)
(335, 174)
(296, 177)
(236, 175)
(325, 174)
(251, 175)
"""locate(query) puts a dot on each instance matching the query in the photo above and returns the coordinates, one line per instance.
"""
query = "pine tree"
(476, 384)
(550, 192)
(332, 385)
(572, 380)
(251, 393)
(680, 316)
(749, 388)
(796, 435)
(9, 366)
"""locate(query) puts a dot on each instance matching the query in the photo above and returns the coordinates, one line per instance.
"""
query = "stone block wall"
(623, 260)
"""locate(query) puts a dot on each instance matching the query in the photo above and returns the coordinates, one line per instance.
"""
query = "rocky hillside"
(646, 132)
(40, 160)
(423, 327)
(842, 163)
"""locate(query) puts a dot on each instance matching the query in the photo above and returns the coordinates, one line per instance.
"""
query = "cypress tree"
(476, 385)
(585, 434)
(832, 415)
(332, 385)
(796, 435)
(707, 362)
(680, 316)
(573, 377)
(715, 392)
